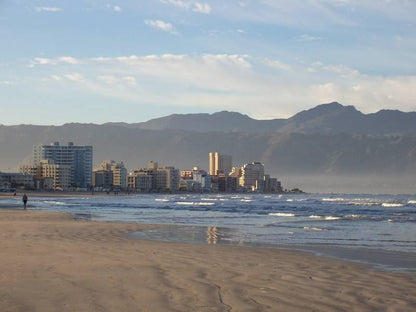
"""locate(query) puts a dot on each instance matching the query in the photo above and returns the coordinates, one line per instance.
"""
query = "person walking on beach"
(24, 199)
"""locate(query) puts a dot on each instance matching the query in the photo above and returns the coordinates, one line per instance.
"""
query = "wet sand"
(51, 262)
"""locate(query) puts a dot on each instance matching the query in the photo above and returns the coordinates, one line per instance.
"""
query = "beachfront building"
(102, 178)
(59, 174)
(110, 174)
(219, 163)
(154, 178)
(15, 179)
(195, 180)
(252, 176)
(48, 175)
(272, 185)
(78, 158)
(167, 179)
(203, 178)
(235, 172)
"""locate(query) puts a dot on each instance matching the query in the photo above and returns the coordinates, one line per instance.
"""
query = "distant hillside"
(222, 121)
(325, 118)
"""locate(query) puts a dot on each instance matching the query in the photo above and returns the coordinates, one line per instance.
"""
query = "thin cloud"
(202, 8)
(47, 9)
(177, 3)
(306, 38)
(116, 8)
(77, 77)
(161, 25)
(197, 7)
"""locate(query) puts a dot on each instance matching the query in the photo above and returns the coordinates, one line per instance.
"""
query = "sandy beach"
(51, 262)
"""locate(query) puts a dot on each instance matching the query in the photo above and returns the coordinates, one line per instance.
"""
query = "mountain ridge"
(329, 117)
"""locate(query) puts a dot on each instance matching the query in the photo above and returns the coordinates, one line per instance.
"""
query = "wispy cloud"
(229, 81)
(77, 77)
(202, 8)
(47, 9)
(306, 37)
(54, 61)
(161, 25)
(195, 6)
(177, 3)
(116, 8)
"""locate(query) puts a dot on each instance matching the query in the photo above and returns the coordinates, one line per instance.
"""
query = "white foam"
(363, 203)
(246, 200)
(54, 202)
(289, 200)
(315, 217)
(194, 203)
(391, 205)
(353, 216)
(161, 199)
(282, 214)
(333, 199)
(328, 218)
(411, 202)
(312, 228)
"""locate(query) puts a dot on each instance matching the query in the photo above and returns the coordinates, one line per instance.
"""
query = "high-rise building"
(79, 158)
(252, 176)
(219, 164)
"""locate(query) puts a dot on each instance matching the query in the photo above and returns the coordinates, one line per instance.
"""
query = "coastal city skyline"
(80, 60)
(60, 167)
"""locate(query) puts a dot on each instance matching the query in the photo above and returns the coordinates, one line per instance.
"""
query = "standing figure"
(24, 199)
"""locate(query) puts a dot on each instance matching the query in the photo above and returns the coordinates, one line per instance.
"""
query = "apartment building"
(79, 158)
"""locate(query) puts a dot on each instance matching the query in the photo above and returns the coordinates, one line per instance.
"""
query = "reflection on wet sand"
(212, 235)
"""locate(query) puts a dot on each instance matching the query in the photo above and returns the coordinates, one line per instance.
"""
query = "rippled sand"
(51, 262)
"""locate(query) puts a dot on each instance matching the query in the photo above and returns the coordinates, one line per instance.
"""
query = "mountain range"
(327, 140)
(325, 118)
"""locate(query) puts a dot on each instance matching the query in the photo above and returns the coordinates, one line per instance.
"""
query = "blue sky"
(99, 61)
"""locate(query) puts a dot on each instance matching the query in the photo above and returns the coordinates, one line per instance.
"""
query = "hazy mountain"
(221, 121)
(319, 141)
(325, 118)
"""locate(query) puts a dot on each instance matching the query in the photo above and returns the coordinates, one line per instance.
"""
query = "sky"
(96, 61)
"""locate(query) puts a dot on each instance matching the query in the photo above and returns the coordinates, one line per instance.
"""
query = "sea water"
(377, 229)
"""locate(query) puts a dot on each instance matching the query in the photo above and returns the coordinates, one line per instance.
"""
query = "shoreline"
(55, 262)
(376, 258)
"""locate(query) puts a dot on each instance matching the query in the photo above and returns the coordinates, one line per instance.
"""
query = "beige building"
(219, 164)
(110, 170)
(159, 179)
(140, 181)
(46, 169)
(235, 172)
(60, 174)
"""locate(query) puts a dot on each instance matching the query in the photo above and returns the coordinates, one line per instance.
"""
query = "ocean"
(375, 229)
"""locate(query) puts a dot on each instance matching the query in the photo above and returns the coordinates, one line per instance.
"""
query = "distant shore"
(57, 263)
